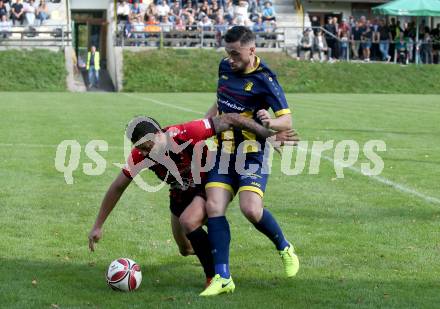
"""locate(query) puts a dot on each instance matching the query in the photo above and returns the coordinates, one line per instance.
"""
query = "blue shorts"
(366, 44)
(236, 180)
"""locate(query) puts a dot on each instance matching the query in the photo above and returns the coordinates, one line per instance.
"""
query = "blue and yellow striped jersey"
(246, 93)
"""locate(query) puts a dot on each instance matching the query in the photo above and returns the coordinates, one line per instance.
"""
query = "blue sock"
(220, 237)
(269, 227)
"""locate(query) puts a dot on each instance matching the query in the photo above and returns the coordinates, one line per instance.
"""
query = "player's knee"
(251, 212)
(213, 209)
(189, 223)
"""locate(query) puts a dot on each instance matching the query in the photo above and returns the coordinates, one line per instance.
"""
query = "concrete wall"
(331, 7)
(114, 54)
(89, 4)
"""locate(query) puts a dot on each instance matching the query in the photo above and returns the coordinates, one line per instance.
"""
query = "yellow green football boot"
(218, 286)
(290, 261)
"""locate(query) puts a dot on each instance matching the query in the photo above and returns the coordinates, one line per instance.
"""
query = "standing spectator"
(426, 48)
(366, 39)
(42, 12)
(93, 67)
(435, 33)
(320, 45)
(123, 11)
(384, 40)
(344, 34)
(331, 34)
(5, 27)
(356, 35)
(269, 12)
(30, 10)
(17, 12)
(315, 24)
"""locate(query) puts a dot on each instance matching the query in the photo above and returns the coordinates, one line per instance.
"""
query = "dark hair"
(141, 126)
(239, 33)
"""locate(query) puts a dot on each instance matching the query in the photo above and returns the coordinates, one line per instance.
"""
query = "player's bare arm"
(226, 121)
(212, 111)
(109, 202)
(281, 123)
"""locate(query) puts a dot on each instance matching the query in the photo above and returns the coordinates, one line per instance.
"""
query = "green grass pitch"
(361, 243)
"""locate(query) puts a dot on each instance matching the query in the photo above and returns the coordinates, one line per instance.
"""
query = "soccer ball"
(124, 275)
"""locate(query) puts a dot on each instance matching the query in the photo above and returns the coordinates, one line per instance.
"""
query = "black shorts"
(180, 200)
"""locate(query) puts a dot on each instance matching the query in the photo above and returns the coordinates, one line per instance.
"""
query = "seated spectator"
(30, 10)
(268, 12)
(42, 12)
(205, 24)
(152, 24)
(135, 11)
(229, 10)
(188, 10)
(215, 11)
(5, 27)
(179, 24)
(204, 10)
(307, 45)
(165, 24)
(17, 12)
(259, 25)
(320, 45)
(151, 10)
(123, 11)
(3, 10)
(241, 12)
(175, 10)
(137, 29)
(402, 50)
(191, 24)
(162, 9)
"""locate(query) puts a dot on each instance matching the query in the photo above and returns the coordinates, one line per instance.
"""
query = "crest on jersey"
(224, 77)
(248, 86)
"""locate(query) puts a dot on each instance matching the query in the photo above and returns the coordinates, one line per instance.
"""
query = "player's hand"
(287, 137)
(94, 236)
(264, 117)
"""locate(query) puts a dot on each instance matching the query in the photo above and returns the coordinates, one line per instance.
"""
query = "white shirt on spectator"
(123, 9)
(162, 9)
(5, 26)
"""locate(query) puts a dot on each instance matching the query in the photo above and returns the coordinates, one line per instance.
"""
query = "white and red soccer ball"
(124, 275)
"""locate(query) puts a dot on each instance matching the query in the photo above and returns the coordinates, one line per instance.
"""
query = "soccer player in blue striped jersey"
(246, 86)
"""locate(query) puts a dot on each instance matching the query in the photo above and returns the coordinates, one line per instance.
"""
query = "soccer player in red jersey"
(168, 153)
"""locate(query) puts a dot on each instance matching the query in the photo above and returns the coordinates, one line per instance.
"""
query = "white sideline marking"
(386, 181)
(189, 110)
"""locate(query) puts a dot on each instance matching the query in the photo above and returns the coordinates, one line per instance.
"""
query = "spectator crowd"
(367, 40)
(216, 16)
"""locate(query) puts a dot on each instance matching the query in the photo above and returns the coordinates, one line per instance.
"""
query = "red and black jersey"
(192, 132)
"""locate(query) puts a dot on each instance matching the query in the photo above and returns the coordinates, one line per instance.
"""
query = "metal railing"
(194, 38)
(45, 36)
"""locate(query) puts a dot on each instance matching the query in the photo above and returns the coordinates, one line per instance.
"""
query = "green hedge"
(32, 70)
(169, 70)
